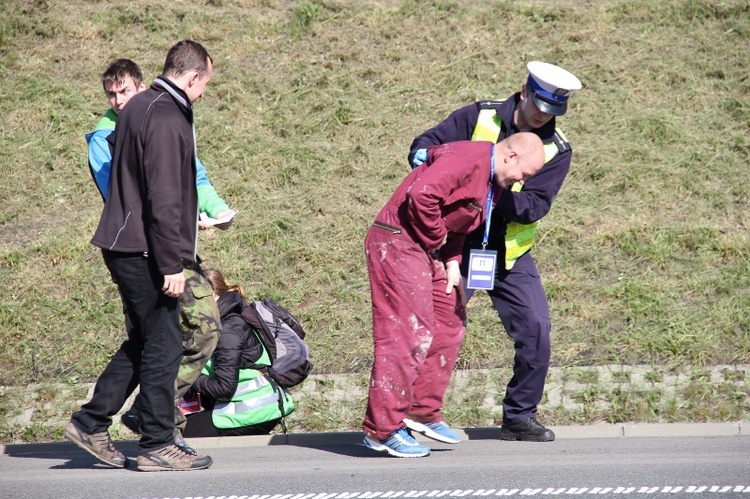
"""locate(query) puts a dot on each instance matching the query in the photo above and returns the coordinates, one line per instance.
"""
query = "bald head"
(517, 158)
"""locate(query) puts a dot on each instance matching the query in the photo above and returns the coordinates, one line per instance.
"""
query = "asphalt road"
(681, 463)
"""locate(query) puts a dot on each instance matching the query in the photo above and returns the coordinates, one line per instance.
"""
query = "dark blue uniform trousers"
(150, 356)
(521, 303)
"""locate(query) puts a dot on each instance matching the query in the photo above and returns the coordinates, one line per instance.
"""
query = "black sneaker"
(528, 430)
(172, 458)
(131, 422)
(98, 444)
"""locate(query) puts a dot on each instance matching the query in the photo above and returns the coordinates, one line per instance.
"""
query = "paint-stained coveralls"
(417, 327)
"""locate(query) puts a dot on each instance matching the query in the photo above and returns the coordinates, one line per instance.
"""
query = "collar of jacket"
(228, 303)
(546, 133)
(163, 84)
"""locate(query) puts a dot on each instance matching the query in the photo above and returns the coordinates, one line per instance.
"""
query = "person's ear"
(510, 156)
(192, 78)
(142, 87)
(523, 92)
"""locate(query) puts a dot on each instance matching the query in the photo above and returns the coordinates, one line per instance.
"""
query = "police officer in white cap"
(517, 293)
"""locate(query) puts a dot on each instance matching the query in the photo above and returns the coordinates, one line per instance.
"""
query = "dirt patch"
(16, 236)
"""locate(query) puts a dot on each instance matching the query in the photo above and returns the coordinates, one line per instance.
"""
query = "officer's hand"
(174, 285)
(419, 157)
(453, 274)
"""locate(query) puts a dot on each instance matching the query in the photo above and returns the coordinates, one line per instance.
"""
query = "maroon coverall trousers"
(417, 332)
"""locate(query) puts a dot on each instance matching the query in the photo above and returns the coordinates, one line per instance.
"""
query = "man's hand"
(453, 274)
(174, 285)
(225, 225)
(203, 224)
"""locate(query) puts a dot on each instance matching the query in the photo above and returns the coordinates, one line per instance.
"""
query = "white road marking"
(569, 491)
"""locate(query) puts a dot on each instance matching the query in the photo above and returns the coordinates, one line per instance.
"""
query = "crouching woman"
(237, 395)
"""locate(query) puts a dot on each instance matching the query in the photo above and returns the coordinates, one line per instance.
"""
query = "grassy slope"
(305, 129)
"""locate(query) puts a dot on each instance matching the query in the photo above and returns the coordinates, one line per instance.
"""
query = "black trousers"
(150, 356)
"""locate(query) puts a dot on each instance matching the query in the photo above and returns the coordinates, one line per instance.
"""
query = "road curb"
(621, 430)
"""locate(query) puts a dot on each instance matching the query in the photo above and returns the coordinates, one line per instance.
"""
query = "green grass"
(305, 128)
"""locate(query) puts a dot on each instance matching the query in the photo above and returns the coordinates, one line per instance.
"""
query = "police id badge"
(481, 269)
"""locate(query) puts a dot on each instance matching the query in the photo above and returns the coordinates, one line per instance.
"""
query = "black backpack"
(282, 336)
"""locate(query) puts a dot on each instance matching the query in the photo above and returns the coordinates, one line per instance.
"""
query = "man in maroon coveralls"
(413, 256)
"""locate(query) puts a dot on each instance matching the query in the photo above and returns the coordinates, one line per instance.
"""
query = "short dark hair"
(118, 70)
(184, 56)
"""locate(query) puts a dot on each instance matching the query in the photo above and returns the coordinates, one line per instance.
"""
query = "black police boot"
(528, 430)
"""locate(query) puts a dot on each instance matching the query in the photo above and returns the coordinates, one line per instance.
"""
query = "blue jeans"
(150, 356)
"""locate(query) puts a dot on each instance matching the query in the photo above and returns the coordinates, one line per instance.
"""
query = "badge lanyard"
(482, 262)
(488, 205)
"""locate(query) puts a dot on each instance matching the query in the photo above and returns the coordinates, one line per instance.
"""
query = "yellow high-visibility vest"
(518, 237)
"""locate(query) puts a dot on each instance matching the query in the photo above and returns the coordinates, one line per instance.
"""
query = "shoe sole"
(156, 467)
(429, 432)
(76, 440)
(378, 447)
(510, 436)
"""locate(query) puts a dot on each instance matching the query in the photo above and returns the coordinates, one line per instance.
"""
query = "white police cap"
(551, 86)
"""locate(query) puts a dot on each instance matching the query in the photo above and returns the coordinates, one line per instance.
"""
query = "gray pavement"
(616, 431)
(609, 460)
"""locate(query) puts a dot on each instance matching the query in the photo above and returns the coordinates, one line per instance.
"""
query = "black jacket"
(238, 348)
(153, 203)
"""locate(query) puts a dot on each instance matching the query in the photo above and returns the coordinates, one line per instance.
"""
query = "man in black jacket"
(148, 235)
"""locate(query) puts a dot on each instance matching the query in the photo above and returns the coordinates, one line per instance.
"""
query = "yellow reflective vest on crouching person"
(257, 399)
(518, 237)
